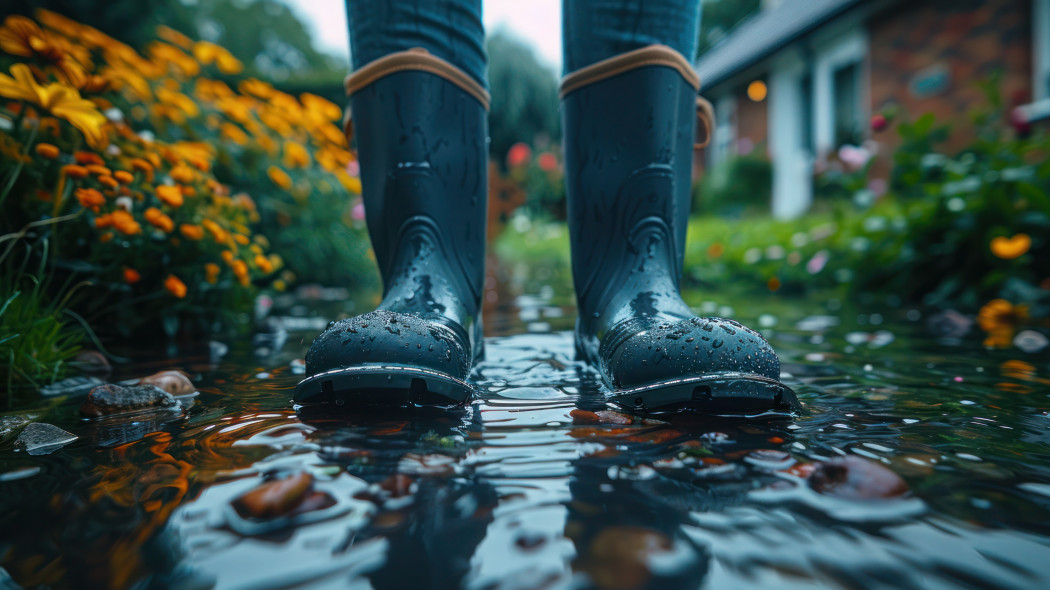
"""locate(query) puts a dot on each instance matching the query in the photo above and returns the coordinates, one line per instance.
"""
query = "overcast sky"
(538, 22)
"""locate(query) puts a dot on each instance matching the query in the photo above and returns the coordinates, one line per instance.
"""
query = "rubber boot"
(421, 129)
(630, 125)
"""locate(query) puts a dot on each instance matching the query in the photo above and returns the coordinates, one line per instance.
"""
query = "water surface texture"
(527, 488)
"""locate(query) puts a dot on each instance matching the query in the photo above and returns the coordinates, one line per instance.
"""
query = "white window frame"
(829, 55)
(1040, 49)
(723, 143)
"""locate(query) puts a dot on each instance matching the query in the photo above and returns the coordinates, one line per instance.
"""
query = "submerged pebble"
(109, 399)
(275, 498)
(854, 478)
(174, 382)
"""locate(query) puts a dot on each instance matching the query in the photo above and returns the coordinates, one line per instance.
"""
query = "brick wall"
(752, 126)
(970, 38)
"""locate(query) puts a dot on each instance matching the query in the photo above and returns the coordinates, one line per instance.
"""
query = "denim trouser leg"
(449, 29)
(594, 30)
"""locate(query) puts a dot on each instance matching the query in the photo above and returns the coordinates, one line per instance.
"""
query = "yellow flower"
(175, 286)
(325, 108)
(174, 37)
(256, 88)
(217, 232)
(279, 177)
(295, 155)
(62, 101)
(1010, 248)
(179, 101)
(264, 264)
(234, 133)
(183, 173)
(207, 53)
(350, 183)
(170, 195)
(169, 55)
(22, 37)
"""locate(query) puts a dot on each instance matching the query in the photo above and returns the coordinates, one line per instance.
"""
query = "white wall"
(792, 163)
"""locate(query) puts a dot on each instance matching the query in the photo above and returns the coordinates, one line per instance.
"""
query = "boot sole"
(383, 386)
(724, 394)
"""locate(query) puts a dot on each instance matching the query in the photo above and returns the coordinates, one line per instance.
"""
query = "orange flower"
(1010, 248)
(175, 286)
(206, 53)
(234, 133)
(123, 177)
(211, 271)
(98, 169)
(325, 108)
(125, 223)
(264, 264)
(84, 158)
(279, 177)
(170, 195)
(74, 171)
(46, 150)
(131, 276)
(183, 173)
(107, 181)
(90, 198)
(240, 270)
(227, 257)
(193, 232)
(241, 239)
(174, 37)
(22, 37)
(215, 230)
(144, 167)
(1001, 319)
(159, 219)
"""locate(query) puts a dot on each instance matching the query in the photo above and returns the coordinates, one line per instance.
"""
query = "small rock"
(116, 399)
(949, 324)
(275, 498)
(298, 367)
(174, 382)
(854, 478)
(92, 362)
(608, 417)
(217, 350)
(1030, 341)
(40, 438)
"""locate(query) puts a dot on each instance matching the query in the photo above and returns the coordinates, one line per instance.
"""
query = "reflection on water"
(538, 485)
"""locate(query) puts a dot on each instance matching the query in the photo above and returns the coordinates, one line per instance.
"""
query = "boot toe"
(690, 348)
(390, 338)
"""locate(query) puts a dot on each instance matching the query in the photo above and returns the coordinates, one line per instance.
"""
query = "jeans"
(593, 30)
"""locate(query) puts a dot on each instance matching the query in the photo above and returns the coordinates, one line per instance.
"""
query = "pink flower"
(518, 155)
(547, 162)
(816, 264)
(854, 157)
(879, 123)
(358, 212)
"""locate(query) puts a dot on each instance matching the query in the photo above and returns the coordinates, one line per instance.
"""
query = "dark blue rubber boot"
(421, 129)
(630, 127)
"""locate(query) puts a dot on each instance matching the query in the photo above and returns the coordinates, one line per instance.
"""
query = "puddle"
(918, 463)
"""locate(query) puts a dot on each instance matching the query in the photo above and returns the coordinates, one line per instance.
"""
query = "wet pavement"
(918, 463)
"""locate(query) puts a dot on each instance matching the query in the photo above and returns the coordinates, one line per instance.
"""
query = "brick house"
(801, 78)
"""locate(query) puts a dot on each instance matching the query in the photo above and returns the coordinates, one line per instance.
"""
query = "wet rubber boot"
(630, 127)
(421, 128)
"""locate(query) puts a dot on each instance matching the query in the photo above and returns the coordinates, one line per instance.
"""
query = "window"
(806, 118)
(1041, 49)
(845, 88)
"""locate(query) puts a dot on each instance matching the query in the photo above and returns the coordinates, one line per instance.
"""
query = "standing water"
(918, 463)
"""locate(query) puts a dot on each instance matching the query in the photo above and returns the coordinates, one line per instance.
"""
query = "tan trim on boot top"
(653, 55)
(418, 59)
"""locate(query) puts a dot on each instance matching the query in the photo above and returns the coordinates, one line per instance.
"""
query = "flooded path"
(538, 485)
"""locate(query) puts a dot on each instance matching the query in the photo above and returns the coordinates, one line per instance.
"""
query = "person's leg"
(594, 30)
(419, 114)
(629, 112)
(448, 29)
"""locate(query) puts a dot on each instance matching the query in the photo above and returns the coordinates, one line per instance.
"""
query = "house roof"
(767, 31)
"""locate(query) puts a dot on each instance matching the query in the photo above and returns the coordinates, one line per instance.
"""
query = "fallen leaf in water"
(620, 556)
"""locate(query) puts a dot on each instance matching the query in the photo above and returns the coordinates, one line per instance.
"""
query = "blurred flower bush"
(172, 192)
